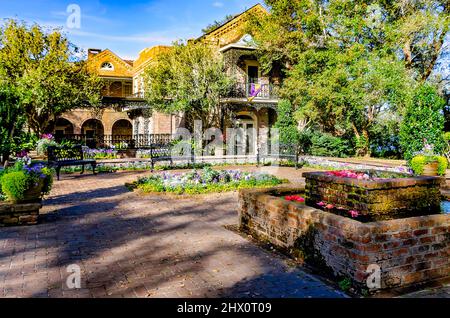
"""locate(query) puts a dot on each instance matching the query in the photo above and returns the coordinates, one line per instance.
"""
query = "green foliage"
(188, 78)
(206, 181)
(44, 70)
(442, 166)
(342, 59)
(418, 163)
(326, 145)
(345, 284)
(286, 123)
(423, 121)
(43, 144)
(14, 184)
(11, 120)
(17, 180)
(216, 24)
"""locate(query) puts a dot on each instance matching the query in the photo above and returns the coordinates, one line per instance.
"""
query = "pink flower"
(294, 198)
(321, 203)
(353, 213)
(330, 206)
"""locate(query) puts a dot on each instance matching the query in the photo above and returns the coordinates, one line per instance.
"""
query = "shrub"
(14, 184)
(423, 120)
(17, 180)
(45, 142)
(326, 145)
(286, 123)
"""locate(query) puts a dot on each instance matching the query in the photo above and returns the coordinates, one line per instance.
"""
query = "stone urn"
(431, 169)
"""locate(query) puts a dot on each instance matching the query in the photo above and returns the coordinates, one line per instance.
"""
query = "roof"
(230, 31)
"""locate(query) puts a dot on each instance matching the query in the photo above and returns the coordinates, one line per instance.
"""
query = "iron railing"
(255, 91)
(116, 141)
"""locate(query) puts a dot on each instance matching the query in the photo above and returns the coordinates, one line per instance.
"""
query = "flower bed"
(205, 181)
(322, 163)
(100, 154)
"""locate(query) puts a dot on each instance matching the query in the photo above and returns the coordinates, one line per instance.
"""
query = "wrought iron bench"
(290, 152)
(59, 157)
(160, 152)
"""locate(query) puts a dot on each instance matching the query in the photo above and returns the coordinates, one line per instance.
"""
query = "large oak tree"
(47, 73)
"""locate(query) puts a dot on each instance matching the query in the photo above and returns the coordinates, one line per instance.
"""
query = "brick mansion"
(123, 99)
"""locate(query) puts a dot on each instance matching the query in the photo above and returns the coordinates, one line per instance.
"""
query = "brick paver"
(131, 245)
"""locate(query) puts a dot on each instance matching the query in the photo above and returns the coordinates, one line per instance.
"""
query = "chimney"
(93, 52)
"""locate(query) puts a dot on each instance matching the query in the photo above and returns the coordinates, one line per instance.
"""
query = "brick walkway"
(128, 245)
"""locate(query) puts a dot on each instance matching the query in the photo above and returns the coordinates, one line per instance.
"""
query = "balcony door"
(253, 74)
(246, 138)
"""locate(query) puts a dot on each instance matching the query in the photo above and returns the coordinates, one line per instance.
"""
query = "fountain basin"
(407, 251)
(398, 196)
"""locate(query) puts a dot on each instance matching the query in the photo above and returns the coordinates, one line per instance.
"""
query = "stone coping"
(8, 207)
(375, 184)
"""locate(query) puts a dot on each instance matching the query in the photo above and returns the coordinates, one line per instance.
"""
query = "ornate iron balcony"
(253, 92)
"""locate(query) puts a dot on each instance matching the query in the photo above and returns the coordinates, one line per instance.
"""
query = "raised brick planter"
(19, 214)
(408, 251)
(379, 200)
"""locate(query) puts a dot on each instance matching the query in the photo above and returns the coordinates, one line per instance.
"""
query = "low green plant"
(418, 163)
(14, 184)
(345, 284)
(17, 180)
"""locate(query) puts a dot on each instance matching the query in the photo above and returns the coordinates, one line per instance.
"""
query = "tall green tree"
(44, 69)
(344, 60)
(12, 120)
(286, 123)
(190, 78)
(423, 122)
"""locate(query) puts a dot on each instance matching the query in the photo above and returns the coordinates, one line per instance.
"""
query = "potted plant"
(47, 140)
(26, 182)
(426, 163)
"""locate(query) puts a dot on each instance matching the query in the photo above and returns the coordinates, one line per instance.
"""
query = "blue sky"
(126, 27)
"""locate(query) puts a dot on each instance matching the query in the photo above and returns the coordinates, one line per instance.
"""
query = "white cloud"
(218, 4)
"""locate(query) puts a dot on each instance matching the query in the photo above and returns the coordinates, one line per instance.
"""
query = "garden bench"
(160, 152)
(59, 157)
(285, 151)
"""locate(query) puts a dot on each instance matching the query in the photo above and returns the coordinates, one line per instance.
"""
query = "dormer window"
(107, 66)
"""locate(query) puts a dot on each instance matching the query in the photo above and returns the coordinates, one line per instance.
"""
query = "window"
(107, 66)
(128, 89)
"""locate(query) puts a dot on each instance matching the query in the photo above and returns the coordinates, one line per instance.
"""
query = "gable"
(120, 68)
(233, 30)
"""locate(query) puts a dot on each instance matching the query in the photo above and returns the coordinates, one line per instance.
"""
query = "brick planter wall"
(380, 200)
(408, 251)
(19, 214)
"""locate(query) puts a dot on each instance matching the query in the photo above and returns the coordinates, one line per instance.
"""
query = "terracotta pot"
(431, 169)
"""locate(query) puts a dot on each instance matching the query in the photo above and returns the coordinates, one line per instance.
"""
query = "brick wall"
(19, 214)
(408, 251)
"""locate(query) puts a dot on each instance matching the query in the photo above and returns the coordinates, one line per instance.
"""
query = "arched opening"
(122, 127)
(93, 131)
(63, 127)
